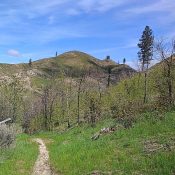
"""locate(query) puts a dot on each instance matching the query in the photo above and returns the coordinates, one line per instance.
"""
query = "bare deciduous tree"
(80, 82)
(49, 96)
(165, 52)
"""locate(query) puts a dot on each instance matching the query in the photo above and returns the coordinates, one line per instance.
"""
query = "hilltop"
(72, 64)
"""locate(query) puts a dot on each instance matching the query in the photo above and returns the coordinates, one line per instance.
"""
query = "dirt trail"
(42, 166)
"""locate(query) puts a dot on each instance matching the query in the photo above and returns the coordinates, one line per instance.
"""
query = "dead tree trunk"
(5, 121)
(145, 88)
(78, 99)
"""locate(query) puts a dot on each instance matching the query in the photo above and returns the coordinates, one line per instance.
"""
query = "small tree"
(30, 62)
(124, 60)
(109, 75)
(108, 57)
(80, 84)
(145, 54)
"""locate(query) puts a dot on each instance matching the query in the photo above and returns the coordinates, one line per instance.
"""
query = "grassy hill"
(72, 64)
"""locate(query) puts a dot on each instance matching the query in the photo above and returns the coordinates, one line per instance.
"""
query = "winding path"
(42, 166)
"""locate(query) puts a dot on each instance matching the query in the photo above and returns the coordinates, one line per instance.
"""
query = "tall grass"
(20, 159)
(123, 152)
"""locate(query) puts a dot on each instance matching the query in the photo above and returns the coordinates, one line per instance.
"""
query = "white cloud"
(44, 7)
(37, 8)
(134, 64)
(130, 44)
(157, 6)
(73, 12)
(13, 53)
(99, 6)
(106, 5)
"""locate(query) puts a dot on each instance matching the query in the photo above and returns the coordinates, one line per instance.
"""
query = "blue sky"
(37, 29)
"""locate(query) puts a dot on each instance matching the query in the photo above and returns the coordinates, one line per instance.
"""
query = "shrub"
(7, 135)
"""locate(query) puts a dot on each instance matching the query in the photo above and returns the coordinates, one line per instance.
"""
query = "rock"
(95, 136)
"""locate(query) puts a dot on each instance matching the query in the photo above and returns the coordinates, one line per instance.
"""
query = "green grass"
(123, 152)
(20, 159)
(38, 82)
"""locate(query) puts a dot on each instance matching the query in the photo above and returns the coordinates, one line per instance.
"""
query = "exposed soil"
(42, 166)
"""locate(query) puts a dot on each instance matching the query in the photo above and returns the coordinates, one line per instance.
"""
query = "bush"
(7, 135)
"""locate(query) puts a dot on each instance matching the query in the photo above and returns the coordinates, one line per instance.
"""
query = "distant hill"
(72, 64)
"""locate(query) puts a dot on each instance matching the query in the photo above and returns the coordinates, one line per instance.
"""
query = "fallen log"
(4, 121)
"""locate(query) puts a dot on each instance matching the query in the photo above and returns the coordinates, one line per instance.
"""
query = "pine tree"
(30, 62)
(124, 60)
(108, 57)
(146, 48)
(145, 54)
(109, 76)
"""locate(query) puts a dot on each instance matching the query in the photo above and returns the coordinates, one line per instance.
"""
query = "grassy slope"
(73, 62)
(133, 88)
(20, 160)
(73, 59)
(123, 152)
